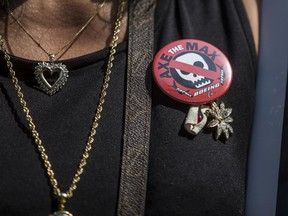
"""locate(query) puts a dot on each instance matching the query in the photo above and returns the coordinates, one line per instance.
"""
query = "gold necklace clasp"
(62, 200)
(52, 58)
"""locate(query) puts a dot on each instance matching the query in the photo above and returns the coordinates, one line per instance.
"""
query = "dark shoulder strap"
(132, 192)
(264, 155)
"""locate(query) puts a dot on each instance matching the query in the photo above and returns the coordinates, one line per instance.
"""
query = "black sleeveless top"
(187, 175)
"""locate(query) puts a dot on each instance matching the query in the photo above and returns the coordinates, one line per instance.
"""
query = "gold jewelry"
(221, 119)
(47, 69)
(63, 197)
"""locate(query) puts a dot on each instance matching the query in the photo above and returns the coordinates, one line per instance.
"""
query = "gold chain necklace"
(47, 69)
(63, 197)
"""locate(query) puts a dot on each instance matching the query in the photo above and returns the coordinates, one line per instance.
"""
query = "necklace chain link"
(57, 192)
(68, 43)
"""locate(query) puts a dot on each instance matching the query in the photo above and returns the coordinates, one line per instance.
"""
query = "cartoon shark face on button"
(192, 80)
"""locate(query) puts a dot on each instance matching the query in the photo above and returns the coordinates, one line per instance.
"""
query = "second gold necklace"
(58, 72)
(60, 195)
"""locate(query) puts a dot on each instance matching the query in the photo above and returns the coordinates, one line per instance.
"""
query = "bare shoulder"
(251, 7)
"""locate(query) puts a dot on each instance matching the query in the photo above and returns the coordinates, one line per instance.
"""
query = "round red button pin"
(192, 71)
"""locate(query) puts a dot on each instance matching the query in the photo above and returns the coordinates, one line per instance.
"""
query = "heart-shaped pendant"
(51, 76)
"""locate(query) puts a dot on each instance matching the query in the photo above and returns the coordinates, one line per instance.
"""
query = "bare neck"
(252, 9)
(54, 22)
